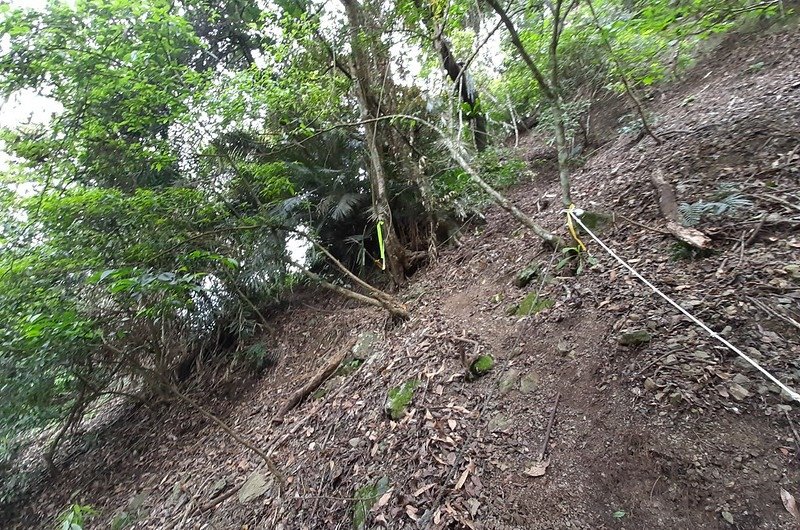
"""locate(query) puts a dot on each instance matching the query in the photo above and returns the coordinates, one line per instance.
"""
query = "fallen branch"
(641, 225)
(233, 434)
(320, 377)
(388, 303)
(546, 440)
(373, 292)
(669, 208)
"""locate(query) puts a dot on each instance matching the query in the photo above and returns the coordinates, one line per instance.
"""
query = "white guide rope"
(794, 395)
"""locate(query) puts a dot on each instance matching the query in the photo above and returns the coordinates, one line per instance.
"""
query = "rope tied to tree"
(574, 233)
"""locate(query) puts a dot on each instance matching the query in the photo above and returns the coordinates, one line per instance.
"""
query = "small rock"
(527, 275)
(217, 487)
(738, 391)
(532, 305)
(741, 379)
(481, 365)
(728, 516)
(508, 381)
(136, 503)
(354, 442)
(635, 338)
(499, 423)
(254, 487)
(398, 399)
(701, 355)
(529, 383)
(649, 384)
(363, 348)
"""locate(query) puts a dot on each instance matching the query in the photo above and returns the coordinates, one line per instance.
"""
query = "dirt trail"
(648, 436)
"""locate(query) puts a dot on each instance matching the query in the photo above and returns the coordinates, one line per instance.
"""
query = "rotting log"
(668, 205)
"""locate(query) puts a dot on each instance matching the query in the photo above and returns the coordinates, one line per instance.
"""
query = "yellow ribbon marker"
(572, 230)
(380, 245)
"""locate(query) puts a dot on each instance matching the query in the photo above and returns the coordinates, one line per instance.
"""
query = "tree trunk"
(552, 239)
(395, 308)
(359, 65)
(550, 89)
(458, 73)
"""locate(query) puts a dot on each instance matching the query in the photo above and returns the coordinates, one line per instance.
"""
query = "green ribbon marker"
(380, 245)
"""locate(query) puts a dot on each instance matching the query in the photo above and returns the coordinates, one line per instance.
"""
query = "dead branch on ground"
(669, 208)
(320, 377)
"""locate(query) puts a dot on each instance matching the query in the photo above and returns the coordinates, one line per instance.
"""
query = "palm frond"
(346, 206)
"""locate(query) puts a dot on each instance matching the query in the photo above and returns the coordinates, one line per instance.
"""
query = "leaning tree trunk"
(359, 65)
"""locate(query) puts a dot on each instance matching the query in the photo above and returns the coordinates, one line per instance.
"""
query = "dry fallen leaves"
(538, 468)
(463, 478)
(790, 504)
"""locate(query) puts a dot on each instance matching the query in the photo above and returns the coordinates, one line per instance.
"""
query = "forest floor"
(676, 432)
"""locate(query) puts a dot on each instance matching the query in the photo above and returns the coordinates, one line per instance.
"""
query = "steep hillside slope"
(671, 433)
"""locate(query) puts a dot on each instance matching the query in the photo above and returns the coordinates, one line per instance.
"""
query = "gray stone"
(741, 379)
(254, 487)
(363, 348)
(508, 381)
(217, 487)
(529, 383)
(738, 391)
(499, 422)
(635, 338)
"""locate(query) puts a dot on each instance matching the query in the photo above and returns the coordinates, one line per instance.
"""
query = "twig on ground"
(755, 231)
(794, 433)
(764, 307)
(315, 382)
(546, 440)
(631, 221)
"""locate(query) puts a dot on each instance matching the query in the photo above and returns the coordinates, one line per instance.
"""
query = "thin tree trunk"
(504, 203)
(233, 434)
(558, 110)
(75, 412)
(377, 174)
(373, 292)
(549, 89)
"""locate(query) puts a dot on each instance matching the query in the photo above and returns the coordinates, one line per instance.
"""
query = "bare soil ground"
(672, 433)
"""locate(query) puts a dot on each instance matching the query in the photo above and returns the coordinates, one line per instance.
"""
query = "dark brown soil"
(649, 436)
